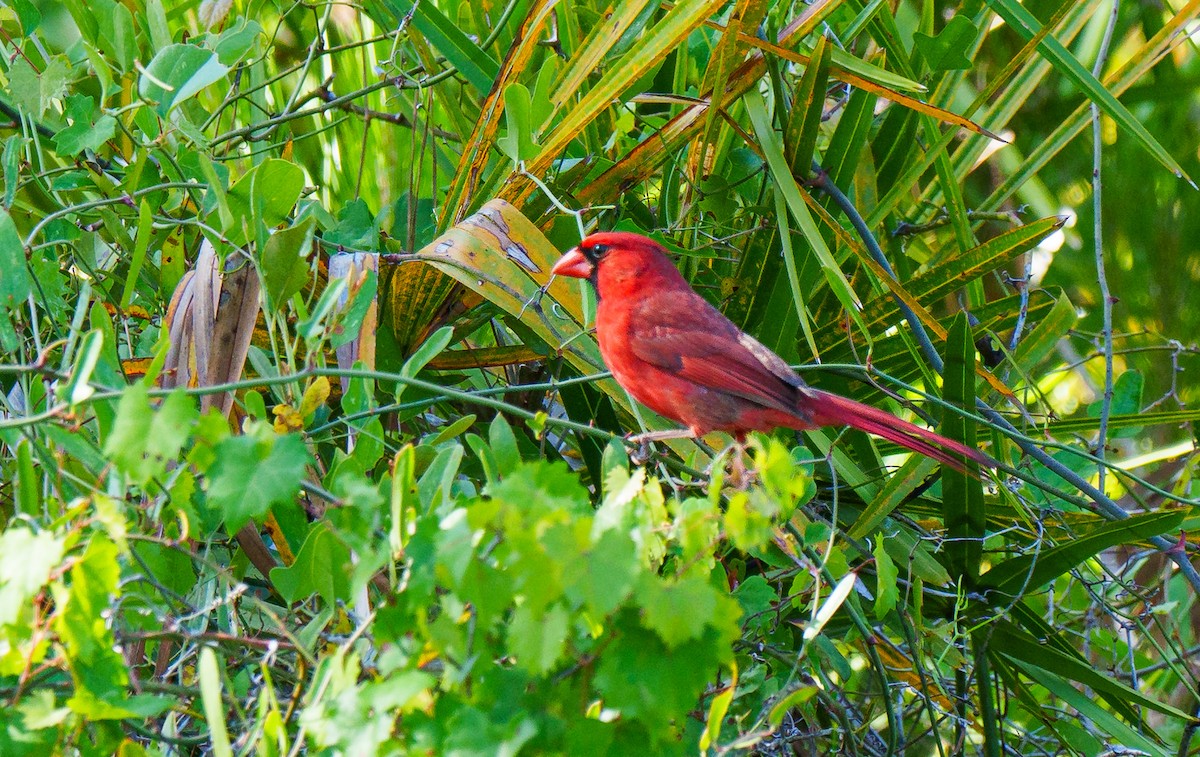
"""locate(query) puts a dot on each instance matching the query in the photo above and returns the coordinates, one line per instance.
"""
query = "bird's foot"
(739, 477)
(642, 454)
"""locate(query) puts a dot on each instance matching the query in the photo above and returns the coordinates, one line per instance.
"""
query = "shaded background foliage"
(302, 451)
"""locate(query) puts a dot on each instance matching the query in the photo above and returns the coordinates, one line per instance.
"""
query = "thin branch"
(1106, 300)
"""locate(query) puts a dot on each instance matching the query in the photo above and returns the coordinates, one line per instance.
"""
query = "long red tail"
(831, 410)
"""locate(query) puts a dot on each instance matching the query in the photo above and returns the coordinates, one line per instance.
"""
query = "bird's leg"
(738, 470)
(642, 454)
(739, 476)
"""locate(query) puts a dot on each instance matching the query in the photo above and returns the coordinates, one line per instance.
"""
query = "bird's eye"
(599, 249)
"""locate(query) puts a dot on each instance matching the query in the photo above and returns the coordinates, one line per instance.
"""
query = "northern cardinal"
(682, 358)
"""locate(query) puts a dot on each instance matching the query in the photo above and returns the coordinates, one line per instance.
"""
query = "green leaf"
(641, 677)
(115, 32)
(26, 560)
(284, 264)
(1032, 571)
(349, 325)
(1020, 647)
(886, 589)
(97, 669)
(14, 147)
(606, 575)
(262, 199)
(16, 284)
(143, 440)
(518, 142)
(33, 92)
(321, 568)
(1103, 719)
(504, 445)
(432, 347)
(237, 40)
(356, 228)
(537, 639)
(808, 109)
(786, 184)
(27, 15)
(209, 673)
(156, 21)
(253, 473)
(942, 280)
(679, 610)
(716, 714)
(755, 595)
(476, 66)
(1039, 343)
(77, 386)
(177, 73)
(963, 508)
(895, 491)
(948, 50)
(1127, 396)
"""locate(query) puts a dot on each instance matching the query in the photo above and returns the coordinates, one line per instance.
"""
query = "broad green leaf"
(949, 49)
(643, 678)
(88, 130)
(1127, 395)
(156, 22)
(234, 42)
(97, 668)
(504, 445)
(254, 472)
(284, 264)
(433, 346)
(143, 439)
(178, 72)
(27, 15)
(680, 610)
(16, 284)
(34, 91)
(517, 143)
(26, 561)
(262, 199)
(322, 567)
(1039, 343)
(537, 639)
(116, 34)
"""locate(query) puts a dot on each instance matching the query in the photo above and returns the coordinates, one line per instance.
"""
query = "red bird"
(682, 358)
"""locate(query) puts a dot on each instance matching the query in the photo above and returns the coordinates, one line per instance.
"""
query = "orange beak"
(573, 264)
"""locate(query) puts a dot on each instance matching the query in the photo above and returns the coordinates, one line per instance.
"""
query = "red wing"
(685, 335)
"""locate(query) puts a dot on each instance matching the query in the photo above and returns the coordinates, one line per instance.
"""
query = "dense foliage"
(300, 450)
